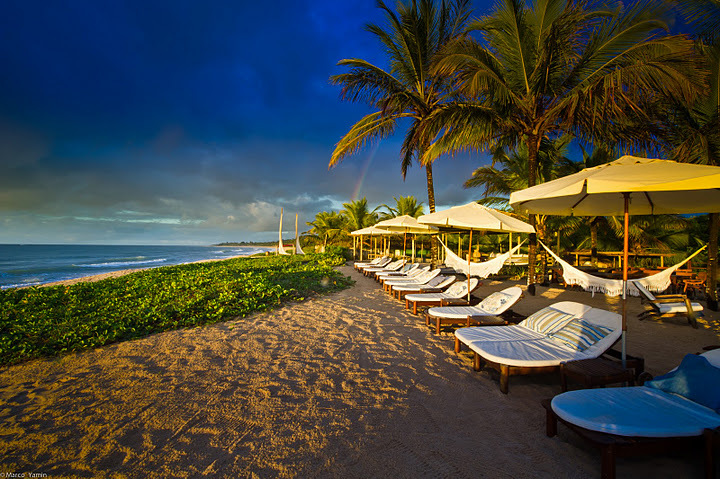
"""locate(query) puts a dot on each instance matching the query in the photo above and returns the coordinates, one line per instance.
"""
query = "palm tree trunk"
(431, 207)
(533, 144)
(712, 267)
(593, 241)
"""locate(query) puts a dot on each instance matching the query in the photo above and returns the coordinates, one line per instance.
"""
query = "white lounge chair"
(490, 307)
(565, 331)
(668, 305)
(394, 266)
(456, 291)
(676, 408)
(436, 284)
(379, 261)
(412, 271)
(422, 278)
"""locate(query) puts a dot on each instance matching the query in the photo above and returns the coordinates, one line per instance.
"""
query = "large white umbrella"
(475, 217)
(406, 224)
(629, 185)
(369, 231)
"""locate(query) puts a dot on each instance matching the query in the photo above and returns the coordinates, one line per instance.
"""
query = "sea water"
(32, 265)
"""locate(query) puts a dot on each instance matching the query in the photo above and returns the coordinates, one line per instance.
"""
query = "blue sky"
(187, 122)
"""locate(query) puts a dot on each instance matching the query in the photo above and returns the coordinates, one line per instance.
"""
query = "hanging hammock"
(657, 282)
(481, 270)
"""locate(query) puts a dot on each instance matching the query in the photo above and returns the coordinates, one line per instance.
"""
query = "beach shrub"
(48, 321)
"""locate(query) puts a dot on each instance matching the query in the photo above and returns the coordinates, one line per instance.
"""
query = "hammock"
(657, 282)
(481, 270)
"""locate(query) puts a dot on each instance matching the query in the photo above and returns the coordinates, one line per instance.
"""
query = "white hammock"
(481, 270)
(657, 282)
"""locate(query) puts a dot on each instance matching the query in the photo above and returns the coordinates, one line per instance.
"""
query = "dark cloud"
(186, 122)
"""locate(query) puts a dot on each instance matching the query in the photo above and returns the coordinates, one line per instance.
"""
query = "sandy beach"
(344, 385)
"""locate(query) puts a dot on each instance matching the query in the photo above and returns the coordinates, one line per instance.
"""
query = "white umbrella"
(371, 231)
(474, 216)
(629, 185)
(406, 224)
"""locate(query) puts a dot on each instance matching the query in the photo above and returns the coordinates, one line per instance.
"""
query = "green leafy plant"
(48, 321)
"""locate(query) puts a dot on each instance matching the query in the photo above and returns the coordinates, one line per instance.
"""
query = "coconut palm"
(358, 215)
(326, 227)
(560, 66)
(405, 205)
(407, 90)
(694, 129)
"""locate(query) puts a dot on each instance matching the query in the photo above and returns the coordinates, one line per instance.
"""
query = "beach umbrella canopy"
(406, 224)
(654, 187)
(474, 216)
(629, 185)
(371, 230)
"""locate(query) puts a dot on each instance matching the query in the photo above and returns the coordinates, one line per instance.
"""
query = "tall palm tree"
(327, 226)
(561, 66)
(404, 205)
(694, 129)
(408, 90)
(358, 215)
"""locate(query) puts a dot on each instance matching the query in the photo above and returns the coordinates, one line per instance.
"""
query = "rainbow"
(363, 174)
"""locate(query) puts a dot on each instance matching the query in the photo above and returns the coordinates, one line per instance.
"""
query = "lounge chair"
(436, 284)
(679, 407)
(492, 306)
(413, 270)
(379, 261)
(668, 305)
(565, 331)
(421, 278)
(394, 266)
(456, 291)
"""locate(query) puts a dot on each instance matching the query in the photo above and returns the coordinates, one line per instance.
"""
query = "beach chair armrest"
(430, 290)
(453, 302)
(670, 299)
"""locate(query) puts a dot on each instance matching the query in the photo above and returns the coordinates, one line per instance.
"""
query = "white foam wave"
(122, 263)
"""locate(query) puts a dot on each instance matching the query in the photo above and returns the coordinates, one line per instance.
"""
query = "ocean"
(32, 265)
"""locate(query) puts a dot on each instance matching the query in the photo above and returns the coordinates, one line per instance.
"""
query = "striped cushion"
(579, 334)
(547, 320)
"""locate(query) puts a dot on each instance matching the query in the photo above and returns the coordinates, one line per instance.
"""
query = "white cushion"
(512, 332)
(426, 297)
(666, 308)
(634, 411)
(526, 353)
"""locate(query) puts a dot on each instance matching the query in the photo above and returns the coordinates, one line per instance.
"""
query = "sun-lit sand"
(345, 385)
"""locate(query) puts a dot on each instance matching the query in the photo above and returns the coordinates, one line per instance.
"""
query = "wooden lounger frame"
(612, 446)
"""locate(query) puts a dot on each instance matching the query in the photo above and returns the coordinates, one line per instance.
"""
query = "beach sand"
(345, 385)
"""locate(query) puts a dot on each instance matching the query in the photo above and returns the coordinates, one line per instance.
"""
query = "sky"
(189, 122)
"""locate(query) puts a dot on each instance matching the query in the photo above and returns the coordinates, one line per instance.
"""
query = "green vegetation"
(40, 322)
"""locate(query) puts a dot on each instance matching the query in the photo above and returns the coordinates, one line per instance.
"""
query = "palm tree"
(357, 215)
(327, 226)
(408, 90)
(694, 129)
(405, 205)
(561, 66)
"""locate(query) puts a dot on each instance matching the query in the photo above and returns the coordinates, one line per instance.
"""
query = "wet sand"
(344, 385)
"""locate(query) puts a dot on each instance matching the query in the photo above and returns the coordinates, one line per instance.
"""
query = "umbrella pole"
(405, 244)
(626, 248)
(468, 271)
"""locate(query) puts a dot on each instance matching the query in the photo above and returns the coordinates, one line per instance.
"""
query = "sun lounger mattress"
(634, 411)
